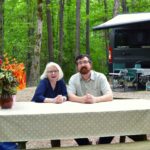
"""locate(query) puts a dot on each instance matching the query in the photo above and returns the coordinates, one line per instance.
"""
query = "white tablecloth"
(42, 121)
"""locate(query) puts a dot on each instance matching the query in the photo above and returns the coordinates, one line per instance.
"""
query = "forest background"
(38, 31)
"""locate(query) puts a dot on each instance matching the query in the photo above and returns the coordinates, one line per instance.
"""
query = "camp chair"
(137, 66)
(148, 86)
(118, 74)
(131, 79)
(118, 66)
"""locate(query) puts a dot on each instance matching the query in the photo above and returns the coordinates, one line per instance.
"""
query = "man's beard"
(84, 70)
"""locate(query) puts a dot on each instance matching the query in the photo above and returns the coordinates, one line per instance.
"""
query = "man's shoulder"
(98, 74)
(75, 76)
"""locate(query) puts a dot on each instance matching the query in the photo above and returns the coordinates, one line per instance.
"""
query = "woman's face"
(52, 73)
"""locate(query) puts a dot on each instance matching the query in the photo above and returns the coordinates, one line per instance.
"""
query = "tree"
(124, 6)
(116, 7)
(35, 67)
(61, 21)
(106, 31)
(78, 3)
(1, 27)
(87, 27)
(50, 32)
(31, 29)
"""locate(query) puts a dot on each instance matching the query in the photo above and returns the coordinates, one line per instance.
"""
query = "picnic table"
(44, 121)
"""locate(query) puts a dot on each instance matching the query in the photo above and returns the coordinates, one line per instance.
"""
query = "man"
(88, 86)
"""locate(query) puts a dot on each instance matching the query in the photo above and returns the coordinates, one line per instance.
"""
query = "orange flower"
(18, 70)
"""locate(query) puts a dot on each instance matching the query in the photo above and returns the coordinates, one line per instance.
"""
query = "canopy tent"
(124, 19)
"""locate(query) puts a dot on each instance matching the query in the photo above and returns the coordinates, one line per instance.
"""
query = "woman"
(51, 89)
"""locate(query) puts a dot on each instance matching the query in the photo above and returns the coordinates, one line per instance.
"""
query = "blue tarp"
(8, 146)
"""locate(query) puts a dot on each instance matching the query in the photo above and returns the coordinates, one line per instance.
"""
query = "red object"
(1, 61)
(110, 54)
(6, 102)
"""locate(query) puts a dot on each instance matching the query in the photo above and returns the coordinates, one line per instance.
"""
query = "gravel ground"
(27, 94)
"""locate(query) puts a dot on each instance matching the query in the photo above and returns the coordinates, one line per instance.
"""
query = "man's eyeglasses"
(83, 62)
(52, 71)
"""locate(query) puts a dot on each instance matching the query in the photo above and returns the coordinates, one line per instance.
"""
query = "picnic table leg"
(122, 139)
(22, 145)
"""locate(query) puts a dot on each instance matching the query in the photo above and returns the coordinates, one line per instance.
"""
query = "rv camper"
(129, 40)
(129, 46)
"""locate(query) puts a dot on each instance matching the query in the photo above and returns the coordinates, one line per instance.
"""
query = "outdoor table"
(44, 121)
(140, 75)
(142, 71)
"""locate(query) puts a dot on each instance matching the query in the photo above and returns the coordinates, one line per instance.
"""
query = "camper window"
(131, 38)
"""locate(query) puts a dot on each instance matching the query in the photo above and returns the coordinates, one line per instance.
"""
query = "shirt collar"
(91, 77)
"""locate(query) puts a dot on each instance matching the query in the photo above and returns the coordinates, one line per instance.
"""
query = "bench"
(144, 145)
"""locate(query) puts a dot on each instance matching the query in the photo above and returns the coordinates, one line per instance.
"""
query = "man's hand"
(90, 99)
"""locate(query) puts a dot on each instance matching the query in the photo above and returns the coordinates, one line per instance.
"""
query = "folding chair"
(118, 74)
(131, 79)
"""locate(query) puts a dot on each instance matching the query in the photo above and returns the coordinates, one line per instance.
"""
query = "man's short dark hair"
(82, 56)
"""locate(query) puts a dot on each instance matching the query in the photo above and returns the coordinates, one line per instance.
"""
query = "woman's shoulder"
(44, 81)
(61, 81)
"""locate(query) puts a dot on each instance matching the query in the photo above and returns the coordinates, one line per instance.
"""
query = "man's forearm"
(75, 98)
(104, 98)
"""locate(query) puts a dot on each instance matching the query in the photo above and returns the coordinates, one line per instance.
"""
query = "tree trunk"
(78, 3)
(105, 19)
(87, 27)
(116, 7)
(61, 15)
(35, 67)
(50, 32)
(31, 28)
(124, 6)
(1, 27)
(106, 31)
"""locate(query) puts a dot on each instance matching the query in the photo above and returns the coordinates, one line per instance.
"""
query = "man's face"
(84, 66)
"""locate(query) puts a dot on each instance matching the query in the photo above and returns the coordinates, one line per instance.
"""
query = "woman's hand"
(59, 99)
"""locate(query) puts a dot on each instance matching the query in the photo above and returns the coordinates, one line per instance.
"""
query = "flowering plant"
(12, 76)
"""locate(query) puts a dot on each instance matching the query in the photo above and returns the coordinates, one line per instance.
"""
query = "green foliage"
(20, 28)
(138, 6)
(8, 83)
(15, 27)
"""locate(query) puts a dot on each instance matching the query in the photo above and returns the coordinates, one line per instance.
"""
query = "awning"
(124, 19)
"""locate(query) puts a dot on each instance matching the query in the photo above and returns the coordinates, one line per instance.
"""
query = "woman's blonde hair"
(50, 64)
